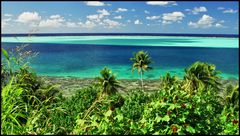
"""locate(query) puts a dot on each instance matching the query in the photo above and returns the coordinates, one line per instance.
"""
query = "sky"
(211, 17)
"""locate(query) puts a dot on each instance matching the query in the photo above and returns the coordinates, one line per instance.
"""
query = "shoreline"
(69, 85)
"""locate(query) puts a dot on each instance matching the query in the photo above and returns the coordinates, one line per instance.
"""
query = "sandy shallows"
(70, 85)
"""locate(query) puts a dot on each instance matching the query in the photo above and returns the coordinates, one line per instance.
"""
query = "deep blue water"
(72, 57)
(125, 34)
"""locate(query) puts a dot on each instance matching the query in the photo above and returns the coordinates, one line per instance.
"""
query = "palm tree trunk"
(92, 106)
(142, 79)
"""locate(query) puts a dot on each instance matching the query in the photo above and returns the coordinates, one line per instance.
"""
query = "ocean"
(83, 56)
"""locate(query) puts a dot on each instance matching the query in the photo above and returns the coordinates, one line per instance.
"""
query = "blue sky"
(120, 17)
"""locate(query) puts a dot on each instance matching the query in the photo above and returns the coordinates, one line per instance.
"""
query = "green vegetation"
(197, 104)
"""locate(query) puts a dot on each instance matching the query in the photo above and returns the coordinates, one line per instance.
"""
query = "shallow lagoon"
(85, 56)
(169, 41)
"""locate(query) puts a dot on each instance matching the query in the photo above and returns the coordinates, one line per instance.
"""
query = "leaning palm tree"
(109, 85)
(230, 97)
(201, 75)
(141, 61)
(108, 82)
(168, 81)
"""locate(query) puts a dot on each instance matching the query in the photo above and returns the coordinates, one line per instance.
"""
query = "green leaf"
(166, 118)
(190, 129)
(223, 118)
(171, 107)
(197, 111)
(133, 125)
(119, 117)
(163, 104)
(5, 53)
(186, 113)
(182, 119)
(209, 107)
(80, 122)
(158, 118)
(109, 113)
(143, 120)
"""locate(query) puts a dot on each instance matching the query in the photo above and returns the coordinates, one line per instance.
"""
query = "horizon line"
(133, 34)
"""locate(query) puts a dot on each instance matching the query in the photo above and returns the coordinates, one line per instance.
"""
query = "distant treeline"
(123, 34)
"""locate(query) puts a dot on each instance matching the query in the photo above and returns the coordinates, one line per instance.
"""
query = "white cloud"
(100, 20)
(94, 3)
(205, 21)
(94, 17)
(97, 17)
(111, 24)
(218, 25)
(137, 22)
(230, 11)
(49, 23)
(121, 10)
(8, 15)
(164, 22)
(161, 3)
(3, 24)
(128, 21)
(88, 24)
(146, 12)
(55, 16)
(133, 10)
(153, 17)
(118, 17)
(27, 17)
(7, 19)
(53, 21)
(153, 24)
(196, 10)
(169, 18)
(71, 24)
(222, 21)
(220, 8)
(103, 12)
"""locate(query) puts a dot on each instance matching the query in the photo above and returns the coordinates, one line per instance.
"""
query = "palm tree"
(168, 81)
(108, 82)
(141, 61)
(230, 97)
(109, 85)
(200, 75)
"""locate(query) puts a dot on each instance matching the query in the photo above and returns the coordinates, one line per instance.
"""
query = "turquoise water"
(85, 56)
(170, 41)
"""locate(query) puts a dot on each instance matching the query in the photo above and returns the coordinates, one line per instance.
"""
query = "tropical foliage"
(199, 76)
(108, 82)
(197, 104)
